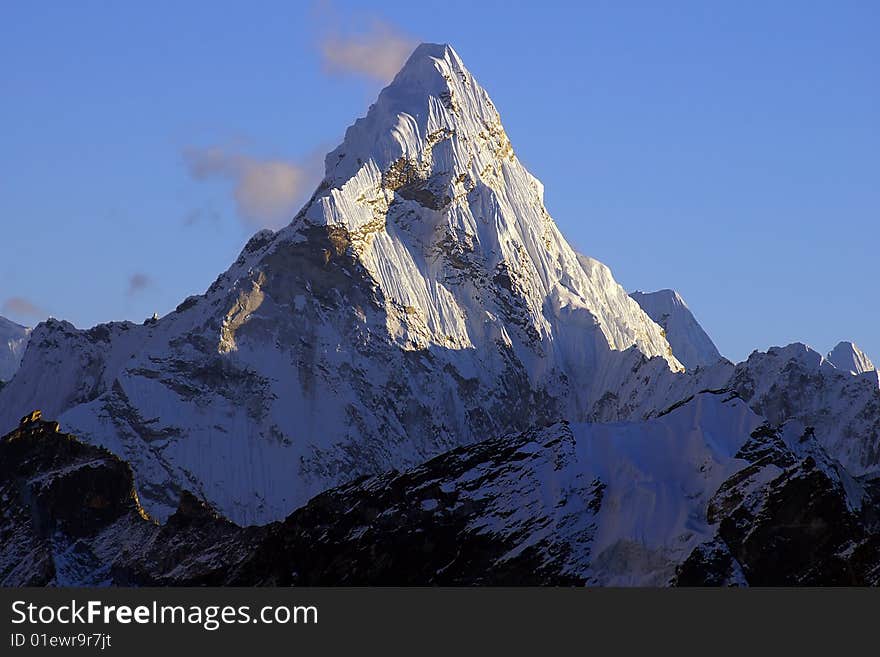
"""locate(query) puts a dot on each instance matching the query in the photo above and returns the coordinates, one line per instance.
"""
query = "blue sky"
(729, 150)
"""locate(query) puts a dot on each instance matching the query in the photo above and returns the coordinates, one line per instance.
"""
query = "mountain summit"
(846, 356)
(422, 299)
(427, 191)
(422, 320)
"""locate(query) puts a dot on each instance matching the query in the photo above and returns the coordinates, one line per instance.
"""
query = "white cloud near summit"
(378, 53)
(266, 191)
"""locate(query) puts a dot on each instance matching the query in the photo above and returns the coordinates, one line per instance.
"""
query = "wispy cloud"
(197, 216)
(266, 191)
(138, 282)
(22, 307)
(269, 191)
(378, 53)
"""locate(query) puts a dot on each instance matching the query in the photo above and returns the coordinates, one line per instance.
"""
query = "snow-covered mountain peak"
(795, 351)
(426, 192)
(422, 299)
(432, 100)
(690, 343)
(847, 356)
(672, 297)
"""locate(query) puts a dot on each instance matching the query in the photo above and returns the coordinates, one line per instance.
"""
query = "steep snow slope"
(421, 300)
(690, 343)
(13, 340)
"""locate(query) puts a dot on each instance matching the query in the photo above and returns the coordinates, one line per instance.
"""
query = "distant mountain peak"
(847, 356)
(690, 343)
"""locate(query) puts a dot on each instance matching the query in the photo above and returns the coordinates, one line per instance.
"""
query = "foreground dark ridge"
(70, 516)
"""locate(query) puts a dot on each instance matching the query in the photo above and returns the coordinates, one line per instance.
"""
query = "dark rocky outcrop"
(792, 517)
(476, 515)
(66, 507)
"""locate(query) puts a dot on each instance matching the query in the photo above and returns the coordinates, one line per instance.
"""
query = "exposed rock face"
(704, 495)
(485, 514)
(70, 516)
(67, 508)
(791, 517)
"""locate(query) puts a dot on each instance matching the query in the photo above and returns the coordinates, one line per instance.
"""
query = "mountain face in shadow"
(737, 503)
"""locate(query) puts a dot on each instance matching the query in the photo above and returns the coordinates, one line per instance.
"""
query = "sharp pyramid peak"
(434, 98)
(422, 293)
(435, 50)
(435, 59)
(427, 193)
(847, 356)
